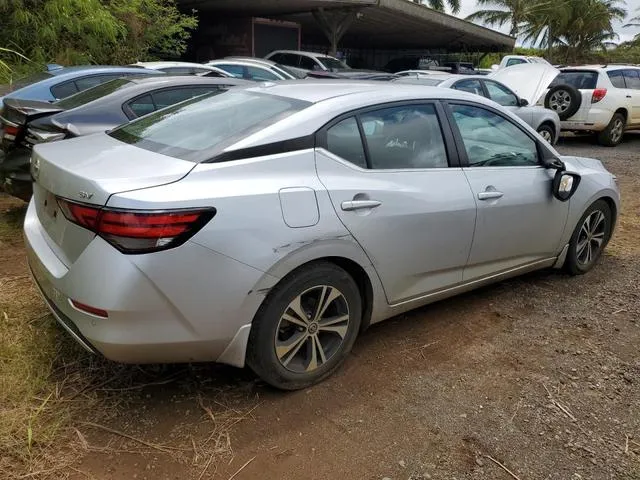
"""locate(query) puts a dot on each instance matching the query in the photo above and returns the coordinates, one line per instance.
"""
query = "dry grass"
(56, 400)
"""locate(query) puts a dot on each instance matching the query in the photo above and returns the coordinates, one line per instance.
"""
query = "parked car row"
(267, 224)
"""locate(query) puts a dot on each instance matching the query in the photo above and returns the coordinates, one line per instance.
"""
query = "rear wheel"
(589, 238)
(306, 327)
(612, 135)
(548, 133)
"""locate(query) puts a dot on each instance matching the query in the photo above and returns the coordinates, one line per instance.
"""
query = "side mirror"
(495, 67)
(565, 184)
(522, 102)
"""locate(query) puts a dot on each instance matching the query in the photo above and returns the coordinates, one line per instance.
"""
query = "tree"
(635, 22)
(503, 12)
(439, 5)
(94, 31)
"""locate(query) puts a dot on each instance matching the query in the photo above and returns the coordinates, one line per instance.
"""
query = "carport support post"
(335, 24)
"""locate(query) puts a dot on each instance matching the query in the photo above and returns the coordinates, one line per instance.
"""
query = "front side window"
(471, 86)
(404, 137)
(632, 79)
(491, 140)
(617, 78)
(344, 140)
(199, 129)
(501, 94)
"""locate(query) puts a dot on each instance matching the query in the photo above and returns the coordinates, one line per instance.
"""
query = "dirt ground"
(533, 378)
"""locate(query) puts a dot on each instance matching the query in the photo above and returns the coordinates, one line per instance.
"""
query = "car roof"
(264, 61)
(154, 65)
(188, 80)
(301, 52)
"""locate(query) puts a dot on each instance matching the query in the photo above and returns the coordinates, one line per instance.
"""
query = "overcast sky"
(469, 6)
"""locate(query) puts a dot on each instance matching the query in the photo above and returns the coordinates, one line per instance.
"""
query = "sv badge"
(85, 195)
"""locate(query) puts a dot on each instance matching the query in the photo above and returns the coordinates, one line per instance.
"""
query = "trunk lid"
(89, 170)
(16, 114)
(528, 80)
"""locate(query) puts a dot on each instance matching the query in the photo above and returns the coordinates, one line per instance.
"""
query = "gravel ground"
(534, 378)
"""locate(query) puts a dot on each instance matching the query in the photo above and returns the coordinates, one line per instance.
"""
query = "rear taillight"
(11, 131)
(598, 94)
(138, 231)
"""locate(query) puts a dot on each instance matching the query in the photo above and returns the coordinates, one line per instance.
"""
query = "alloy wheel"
(312, 329)
(560, 101)
(591, 237)
(617, 130)
(546, 134)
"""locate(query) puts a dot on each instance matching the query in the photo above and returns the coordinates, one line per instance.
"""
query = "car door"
(519, 222)
(388, 174)
(632, 94)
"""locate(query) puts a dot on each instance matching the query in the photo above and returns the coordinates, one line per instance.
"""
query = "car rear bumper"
(596, 121)
(147, 322)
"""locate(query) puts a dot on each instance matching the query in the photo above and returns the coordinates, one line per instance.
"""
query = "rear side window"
(64, 90)
(94, 93)
(142, 106)
(404, 137)
(471, 86)
(581, 79)
(617, 78)
(199, 129)
(343, 140)
(632, 79)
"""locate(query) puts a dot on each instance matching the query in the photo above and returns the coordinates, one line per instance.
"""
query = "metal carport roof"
(382, 23)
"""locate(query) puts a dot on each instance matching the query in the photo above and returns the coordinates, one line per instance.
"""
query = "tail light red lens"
(83, 307)
(138, 231)
(598, 94)
(11, 132)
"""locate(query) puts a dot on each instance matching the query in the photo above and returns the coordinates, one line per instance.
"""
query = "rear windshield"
(584, 79)
(198, 129)
(92, 94)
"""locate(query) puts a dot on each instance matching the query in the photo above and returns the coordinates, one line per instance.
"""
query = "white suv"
(304, 62)
(604, 100)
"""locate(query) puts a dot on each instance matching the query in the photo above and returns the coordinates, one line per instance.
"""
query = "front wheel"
(589, 238)
(548, 133)
(306, 327)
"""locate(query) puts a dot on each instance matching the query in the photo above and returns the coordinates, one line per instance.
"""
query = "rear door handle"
(628, 96)
(491, 195)
(359, 205)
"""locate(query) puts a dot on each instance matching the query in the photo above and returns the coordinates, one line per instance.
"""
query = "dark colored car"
(58, 83)
(95, 110)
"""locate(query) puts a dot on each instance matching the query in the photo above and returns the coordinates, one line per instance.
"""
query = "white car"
(184, 68)
(604, 100)
(511, 60)
(303, 62)
(420, 73)
(256, 69)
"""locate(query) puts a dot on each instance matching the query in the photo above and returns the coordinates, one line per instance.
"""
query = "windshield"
(331, 63)
(581, 79)
(198, 129)
(24, 82)
(92, 94)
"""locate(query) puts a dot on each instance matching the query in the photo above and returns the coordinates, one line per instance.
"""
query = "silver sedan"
(270, 225)
(546, 122)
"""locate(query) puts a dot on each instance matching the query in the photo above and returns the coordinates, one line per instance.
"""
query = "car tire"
(290, 352)
(548, 133)
(589, 239)
(612, 135)
(565, 100)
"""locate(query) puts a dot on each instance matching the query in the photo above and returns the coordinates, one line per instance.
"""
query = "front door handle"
(359, 205)
(490, 195)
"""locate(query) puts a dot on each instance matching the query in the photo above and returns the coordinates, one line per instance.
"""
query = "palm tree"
(439, 5)
(635, 22)
(503, 12)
